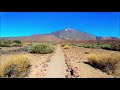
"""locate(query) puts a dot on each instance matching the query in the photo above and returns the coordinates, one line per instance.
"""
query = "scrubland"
(81, 58)
(25, 61)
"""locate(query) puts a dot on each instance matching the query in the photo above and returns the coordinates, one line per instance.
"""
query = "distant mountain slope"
(62, 35)
(71, 34)
(35, 38)
(109, 38)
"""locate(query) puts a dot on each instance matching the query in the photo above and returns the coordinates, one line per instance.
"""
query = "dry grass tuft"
(66, 47)
(15, 66)
(106, 61)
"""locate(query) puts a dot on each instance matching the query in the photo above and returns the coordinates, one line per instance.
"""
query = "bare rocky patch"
(75, 58)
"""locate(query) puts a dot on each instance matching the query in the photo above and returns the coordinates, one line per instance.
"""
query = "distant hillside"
(35, 38)
(109, 38)
(58, 36)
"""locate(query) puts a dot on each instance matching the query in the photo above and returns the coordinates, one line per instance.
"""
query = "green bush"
(74, 44)
(106, 46)
(62, 45)
(15, 45)
(95, 45)
(10, 43)
(115, 47)
(111, 47)
(40, 48)
(87, 46)
(5, 43)
(80, 45)
(17, 41)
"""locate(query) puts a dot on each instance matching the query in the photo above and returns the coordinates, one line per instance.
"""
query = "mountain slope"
(62, 35)
(71, 34)
(35, 38)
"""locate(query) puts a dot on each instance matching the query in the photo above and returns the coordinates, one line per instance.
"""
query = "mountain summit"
(69, 29)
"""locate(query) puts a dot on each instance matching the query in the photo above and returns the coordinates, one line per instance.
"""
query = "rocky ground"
(63, 63)
(76, 59)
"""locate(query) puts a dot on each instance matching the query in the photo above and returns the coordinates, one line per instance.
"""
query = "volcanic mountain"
(62, 35)
(71, 34)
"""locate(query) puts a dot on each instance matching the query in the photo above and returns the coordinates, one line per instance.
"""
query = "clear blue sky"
(29, 23)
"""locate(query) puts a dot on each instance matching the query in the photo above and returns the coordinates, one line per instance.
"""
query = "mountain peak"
(73, 34)
(68, 29)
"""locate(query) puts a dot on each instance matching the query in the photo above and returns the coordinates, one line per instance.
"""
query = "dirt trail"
(57, 67)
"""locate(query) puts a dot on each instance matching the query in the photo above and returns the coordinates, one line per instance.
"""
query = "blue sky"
(29, 23)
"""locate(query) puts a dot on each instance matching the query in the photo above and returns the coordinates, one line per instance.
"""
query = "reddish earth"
(63, 63)
(76, 58)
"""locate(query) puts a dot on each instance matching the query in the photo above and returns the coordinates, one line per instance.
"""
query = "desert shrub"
(5, 43)
(62, 45)
(80, 45)
(66, 47)
(115, 47)
(10, 43)
(54, 43)
(15, 45)
(96, 45)
(117, 70)
(106, 46)
(111, 47)
(40, 48)
(17, 41)
(74, 44)
(87, 46)
(107, 62)
(15, 66)
(2, 43)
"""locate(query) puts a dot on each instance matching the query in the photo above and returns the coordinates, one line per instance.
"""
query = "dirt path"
(54, 66)
(57, 67)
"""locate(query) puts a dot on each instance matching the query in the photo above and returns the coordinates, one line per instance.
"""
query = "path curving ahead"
(57, 67)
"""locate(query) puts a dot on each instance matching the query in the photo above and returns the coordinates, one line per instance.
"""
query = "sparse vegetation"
(106, 46)
(10, 43)
(51, 43)
(102, 46)
(17, 41)
(5, 43)
(15, 66)
(76, 53)
(66, 47)
(108, 62)
(40, 48)
(88, 46)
